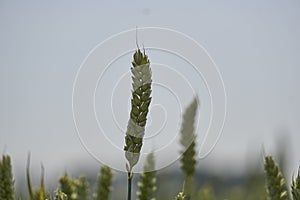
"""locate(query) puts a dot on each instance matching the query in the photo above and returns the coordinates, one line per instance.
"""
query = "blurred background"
(255, 45)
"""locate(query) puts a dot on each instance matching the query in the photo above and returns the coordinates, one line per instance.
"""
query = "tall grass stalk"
(141, 91)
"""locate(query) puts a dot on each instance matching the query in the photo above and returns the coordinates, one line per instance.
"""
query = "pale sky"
(255, 45)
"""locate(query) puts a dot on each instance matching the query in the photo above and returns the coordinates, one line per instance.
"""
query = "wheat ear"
(77, 189)
(59, 195)
(180, 196)
(296, 187)
(276, 186)
(188, 161)
(147, 185)
(141, 91)
(104, 182)
(7, 191)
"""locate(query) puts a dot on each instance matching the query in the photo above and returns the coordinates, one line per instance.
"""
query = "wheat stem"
(129, 185)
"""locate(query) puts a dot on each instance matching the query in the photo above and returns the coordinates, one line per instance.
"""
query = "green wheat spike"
(67, 185)
(296, 187)
(147, 186)
(188, 161)
(7, 191)
(141, 85)
(59, 195)
(180, 196)
(82, 188)
(276, 186)
(104, 183)
(77, 189)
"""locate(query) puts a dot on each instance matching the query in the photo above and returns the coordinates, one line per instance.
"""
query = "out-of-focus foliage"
(7, 191)
(147, 185)
(104, 182)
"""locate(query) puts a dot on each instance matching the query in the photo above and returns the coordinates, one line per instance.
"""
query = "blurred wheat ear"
(180, 196)
(276, 185)
(7, 191)
(59, 195)
(296, 187)
(104, 181)
(75, 189)
(188, 161)
(147, 185)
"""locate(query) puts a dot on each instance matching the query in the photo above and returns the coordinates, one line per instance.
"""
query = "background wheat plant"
(188, 161)
(296, 187)
(147, 185)
(276, 185)
(141, 91)
(7, 191)
(104, 182)
(180, 196)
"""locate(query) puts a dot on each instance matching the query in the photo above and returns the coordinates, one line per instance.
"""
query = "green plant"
(296, 187)
(7, 191)
(188, 161)
(104, 182)
(147, 185)
(276, 186)
(180, 196)
(75, 189)
(35, 194)
(141, 78)
(59, 195)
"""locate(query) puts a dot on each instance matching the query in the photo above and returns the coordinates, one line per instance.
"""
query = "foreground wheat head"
(276, 185)
(188, 161)
(141, 85)
(7, 191)
(147, 185)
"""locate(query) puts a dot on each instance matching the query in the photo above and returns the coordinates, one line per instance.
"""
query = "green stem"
(129, 185)
(188, 186)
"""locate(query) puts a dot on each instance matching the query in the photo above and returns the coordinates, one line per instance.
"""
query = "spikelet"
(66, 185)
(75, 189)
(180, 196)
(188, 161)
(296, 187)
(147, 185)
(276, 186)
(59, 195)
(6, 179)
(104, 183)
(141, 78)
